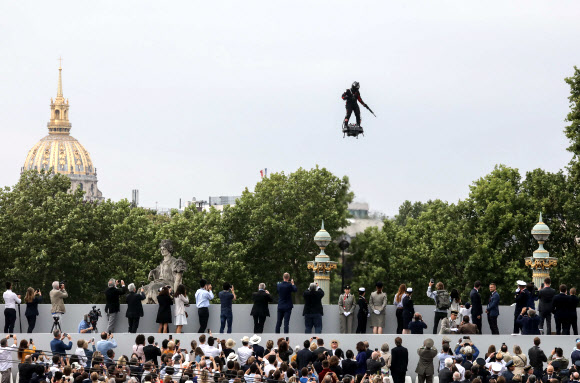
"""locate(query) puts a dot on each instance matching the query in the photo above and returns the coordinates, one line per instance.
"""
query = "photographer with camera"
(416, 326)
(85, 325)
(7, 357)
(57, 295)
(203, 296)
(134, 307)
(529, 322)
(57, 345)
(10, 301)
(32, 299)
(113, 306)
(106, 343)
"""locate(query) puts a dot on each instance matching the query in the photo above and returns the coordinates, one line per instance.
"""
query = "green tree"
(277, 222)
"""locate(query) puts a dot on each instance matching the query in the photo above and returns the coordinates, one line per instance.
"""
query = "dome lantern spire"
(59, 89)
(59, 123)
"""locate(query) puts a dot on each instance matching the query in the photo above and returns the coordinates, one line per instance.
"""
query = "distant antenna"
(180, 204)
(135, 197)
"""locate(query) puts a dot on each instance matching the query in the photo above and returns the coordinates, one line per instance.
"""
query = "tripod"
(56, 324)
(19, 318)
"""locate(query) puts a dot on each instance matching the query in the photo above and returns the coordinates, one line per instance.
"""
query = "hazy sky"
(192, 98)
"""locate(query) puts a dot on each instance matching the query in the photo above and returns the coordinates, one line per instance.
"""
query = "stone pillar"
(322, 265)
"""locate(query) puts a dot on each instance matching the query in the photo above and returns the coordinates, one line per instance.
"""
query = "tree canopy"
(48, 233)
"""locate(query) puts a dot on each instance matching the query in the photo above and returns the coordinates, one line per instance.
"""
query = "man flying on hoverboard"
(352, 98)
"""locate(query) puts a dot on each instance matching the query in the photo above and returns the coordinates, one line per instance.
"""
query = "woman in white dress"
(181, 301)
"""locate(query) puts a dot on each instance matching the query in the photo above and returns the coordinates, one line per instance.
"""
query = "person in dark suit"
(32, 299)
(134, 307)
(113, 306)
(313, 310)
(445, 374)
(537, 357)
(529, 322)
(260, 308)
(408, 311)
(363, 312)
(522, 297)
(427, 353)
(508, 374)
(560, 308)
(320, 346)
(349, 364)
(476, 308)
(399, 361)
(151, 351)
(492, 309)
(285, 305)
(546, 296)
(304, 356)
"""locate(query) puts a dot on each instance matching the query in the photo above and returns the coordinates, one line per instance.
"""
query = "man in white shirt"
(211, 350)
(10, 301)
(7, 358)
(245, 351)
(458, 360)
(202, 343)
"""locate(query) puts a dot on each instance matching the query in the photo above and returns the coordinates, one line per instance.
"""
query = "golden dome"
(61, 152)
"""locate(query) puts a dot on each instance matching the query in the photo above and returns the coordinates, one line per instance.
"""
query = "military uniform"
(346, 305)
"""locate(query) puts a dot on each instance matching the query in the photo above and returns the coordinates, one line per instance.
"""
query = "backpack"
(442, 301)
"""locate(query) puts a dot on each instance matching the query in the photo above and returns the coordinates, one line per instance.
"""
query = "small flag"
(262, 173)
(266, 172)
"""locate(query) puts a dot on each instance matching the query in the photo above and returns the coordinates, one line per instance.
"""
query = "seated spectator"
(467, 328)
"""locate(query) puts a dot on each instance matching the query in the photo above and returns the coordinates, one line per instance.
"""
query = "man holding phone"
(285, 290)
(203, 296)
(6, 359)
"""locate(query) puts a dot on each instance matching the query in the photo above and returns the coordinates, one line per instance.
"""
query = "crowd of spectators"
(533, 308)
(210, 359)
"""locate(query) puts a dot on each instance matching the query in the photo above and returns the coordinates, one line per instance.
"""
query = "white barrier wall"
(346, 342)
(242, 323)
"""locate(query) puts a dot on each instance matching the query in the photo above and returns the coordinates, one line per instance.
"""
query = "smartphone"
(11, 336)
(287, 339)
(209, 331)
(31, 340)
(170, 337)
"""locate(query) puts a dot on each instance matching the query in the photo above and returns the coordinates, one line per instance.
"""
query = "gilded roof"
(59, 150)
(63, 153)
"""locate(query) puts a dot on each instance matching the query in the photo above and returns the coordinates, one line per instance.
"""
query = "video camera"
(94, 315)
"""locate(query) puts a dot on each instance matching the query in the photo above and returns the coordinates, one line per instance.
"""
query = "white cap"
(361, 289)
(496, 367)
(409, 289)
(521, 283)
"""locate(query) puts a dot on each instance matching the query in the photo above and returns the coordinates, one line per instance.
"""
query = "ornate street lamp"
(540, 261)
(322, 265)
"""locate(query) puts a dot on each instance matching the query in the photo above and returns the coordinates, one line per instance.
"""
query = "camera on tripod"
(94, 315)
